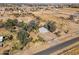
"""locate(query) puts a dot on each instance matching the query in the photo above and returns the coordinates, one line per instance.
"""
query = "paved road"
(58, 47)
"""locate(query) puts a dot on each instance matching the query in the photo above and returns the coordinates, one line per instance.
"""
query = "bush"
(22, 25)
(16, 46)
(16, 14)
(50, 26)
(7, 37)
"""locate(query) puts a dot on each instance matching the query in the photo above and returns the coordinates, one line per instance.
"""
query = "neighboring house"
(45, 34)
(76, 17)
(1, 39)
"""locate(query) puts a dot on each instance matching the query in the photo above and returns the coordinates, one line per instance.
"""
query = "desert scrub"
(15, 46)
(39, 39)
(7, 38)
(22, 25)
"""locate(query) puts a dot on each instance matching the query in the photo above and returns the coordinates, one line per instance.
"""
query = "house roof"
(43, 30)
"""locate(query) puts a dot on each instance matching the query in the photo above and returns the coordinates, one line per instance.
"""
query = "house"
(1, 39)
(45, 34)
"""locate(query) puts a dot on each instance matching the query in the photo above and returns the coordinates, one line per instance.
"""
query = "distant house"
(1, 39)
(45, 34)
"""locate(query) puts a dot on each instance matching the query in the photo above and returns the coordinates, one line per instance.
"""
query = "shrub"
(25, 27)
(22, 25)
(16, 46)
(7, 37)
(16, 14)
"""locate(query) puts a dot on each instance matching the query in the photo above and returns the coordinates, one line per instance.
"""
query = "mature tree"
(32, 25)
(9, 23)
(50, 26)
(71, 17)
(23, 36)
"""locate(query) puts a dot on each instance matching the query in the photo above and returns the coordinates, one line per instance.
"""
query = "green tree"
(50, 26)
(23, 36)
(9, 23)
(32, 25)
(71, 17)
